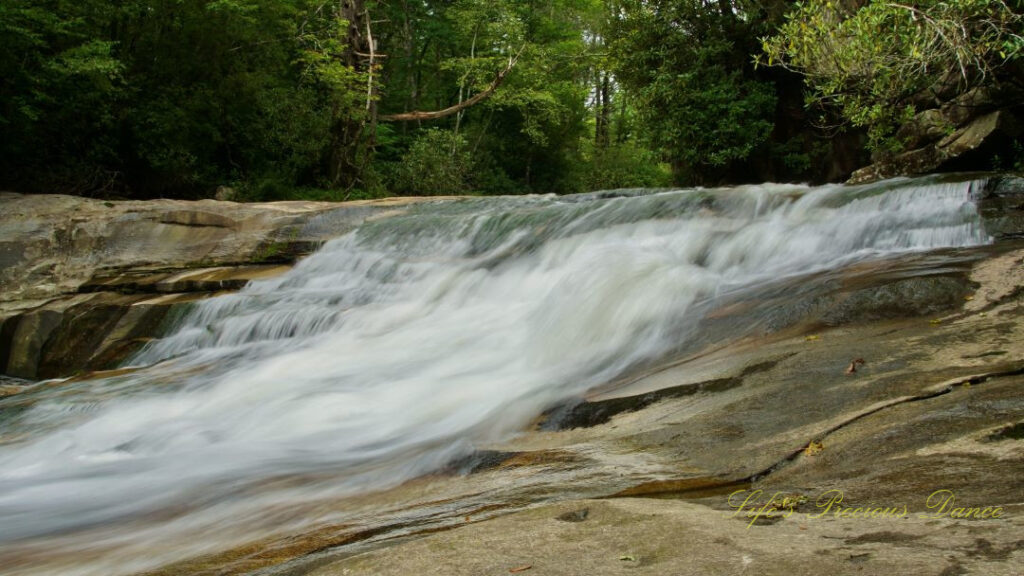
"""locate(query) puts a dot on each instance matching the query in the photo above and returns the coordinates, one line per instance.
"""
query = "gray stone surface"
(79, 277)
(50, 245)
(936, 406)
(969, 147)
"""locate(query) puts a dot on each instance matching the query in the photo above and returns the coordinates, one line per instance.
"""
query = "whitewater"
(408, 343)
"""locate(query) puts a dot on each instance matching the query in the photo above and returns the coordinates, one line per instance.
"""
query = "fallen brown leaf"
(852, 368)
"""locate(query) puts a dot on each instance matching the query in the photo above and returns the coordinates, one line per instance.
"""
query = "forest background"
(285, 99)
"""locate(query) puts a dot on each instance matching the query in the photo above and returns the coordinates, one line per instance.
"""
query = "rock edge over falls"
(900, 393)
(84, 283)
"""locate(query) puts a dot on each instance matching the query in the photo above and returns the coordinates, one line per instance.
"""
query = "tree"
(161, 97)
(508, 78)
(59, 84)
(876, 62)
(282, 97)
(686, 64)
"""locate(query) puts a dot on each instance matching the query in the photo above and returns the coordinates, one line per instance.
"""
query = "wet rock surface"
(138, 263)
(651, 475)
(1003, 207)
(52, 245)
(928, 428)
(85, 283)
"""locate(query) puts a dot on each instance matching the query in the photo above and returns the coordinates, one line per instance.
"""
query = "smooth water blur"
(402, 345)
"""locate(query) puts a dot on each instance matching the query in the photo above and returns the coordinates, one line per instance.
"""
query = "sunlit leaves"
(872, 63)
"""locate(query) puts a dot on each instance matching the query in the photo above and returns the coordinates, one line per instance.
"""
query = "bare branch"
(475, 99)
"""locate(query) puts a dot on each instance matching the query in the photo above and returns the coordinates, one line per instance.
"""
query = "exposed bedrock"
(83, 283)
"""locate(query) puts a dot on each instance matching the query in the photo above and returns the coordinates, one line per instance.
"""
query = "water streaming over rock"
(400, 346)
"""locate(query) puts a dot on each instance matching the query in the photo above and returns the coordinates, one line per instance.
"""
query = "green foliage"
(1013, 160)
(276, 190)
(700, 103)
(625, 166)
(874, 63)
(529, 135)
(168, 97)
(717, 116)
(794, 155)
(438, 163)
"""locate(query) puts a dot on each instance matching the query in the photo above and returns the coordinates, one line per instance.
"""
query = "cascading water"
(400, 346)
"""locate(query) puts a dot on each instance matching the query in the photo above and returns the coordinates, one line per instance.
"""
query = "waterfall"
(404, 344)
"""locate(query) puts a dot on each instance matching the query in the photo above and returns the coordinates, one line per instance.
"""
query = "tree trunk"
(345, 167)
(604, 112)
(462, 93)
(621, 130)
(408, 47)
(599, 127)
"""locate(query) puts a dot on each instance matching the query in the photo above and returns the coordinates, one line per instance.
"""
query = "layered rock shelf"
(875, 430)
(84, 283)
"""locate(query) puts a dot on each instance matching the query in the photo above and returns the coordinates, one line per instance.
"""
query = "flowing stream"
(406, 343)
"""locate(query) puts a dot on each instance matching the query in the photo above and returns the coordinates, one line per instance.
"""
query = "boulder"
(924, 128)
(968, 148)
(975, 103)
